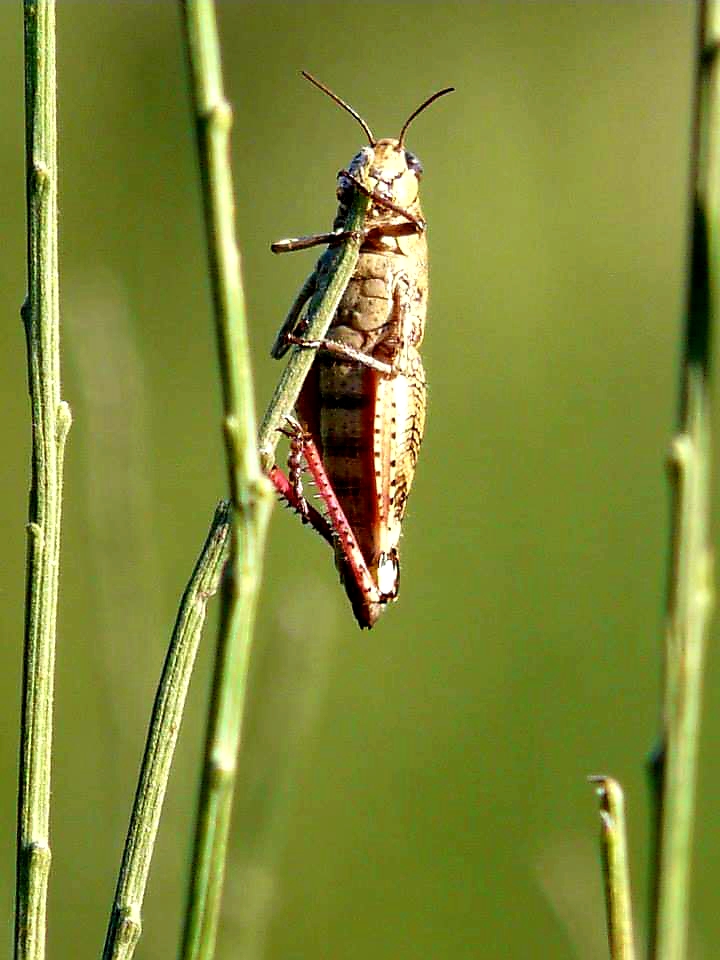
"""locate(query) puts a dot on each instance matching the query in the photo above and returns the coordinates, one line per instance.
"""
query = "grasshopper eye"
(361, 160)
(414, 164)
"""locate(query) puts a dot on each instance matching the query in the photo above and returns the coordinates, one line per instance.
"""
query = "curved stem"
(125, 923)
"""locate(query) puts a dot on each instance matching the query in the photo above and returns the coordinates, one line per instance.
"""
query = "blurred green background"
(418, 791)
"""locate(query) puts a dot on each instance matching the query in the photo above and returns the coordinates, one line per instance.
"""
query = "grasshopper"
(361, 410)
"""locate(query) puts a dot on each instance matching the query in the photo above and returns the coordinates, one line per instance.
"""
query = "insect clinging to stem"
(361, 410)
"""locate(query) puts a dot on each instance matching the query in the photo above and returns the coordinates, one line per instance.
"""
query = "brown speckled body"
(368, 425)
(362, 406)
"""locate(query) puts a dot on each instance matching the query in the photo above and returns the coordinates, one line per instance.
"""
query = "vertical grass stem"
(690, 587)
(50, 425)
(613, 842)
(250, 491)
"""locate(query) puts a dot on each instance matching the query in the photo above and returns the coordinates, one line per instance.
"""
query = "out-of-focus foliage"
(417, 791)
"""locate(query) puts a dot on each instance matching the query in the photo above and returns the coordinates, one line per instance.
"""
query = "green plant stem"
(251, 492)
(690, 577)
(613, 840)
(320, 313)
(50, 425)
(125, 924)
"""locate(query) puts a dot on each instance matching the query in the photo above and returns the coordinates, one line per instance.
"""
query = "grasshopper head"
(392, 172)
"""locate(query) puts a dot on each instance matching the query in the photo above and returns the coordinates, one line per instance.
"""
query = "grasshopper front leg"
(314, 240)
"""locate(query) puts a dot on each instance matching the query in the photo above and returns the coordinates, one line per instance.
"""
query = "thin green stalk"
(690, 592)
(50, 425)
(250, 491)
(320, 313)
(613, 840)
(125, 924)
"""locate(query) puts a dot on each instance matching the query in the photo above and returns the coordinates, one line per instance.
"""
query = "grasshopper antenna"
(423, 105)
(354, 113)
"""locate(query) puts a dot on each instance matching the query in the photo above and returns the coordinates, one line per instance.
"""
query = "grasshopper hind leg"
(367, 599)
(290, 486)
